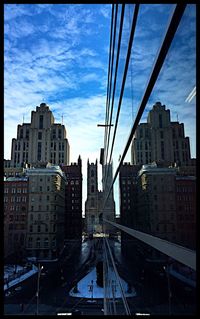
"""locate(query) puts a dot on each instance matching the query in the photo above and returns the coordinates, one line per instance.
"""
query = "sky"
(58, 54)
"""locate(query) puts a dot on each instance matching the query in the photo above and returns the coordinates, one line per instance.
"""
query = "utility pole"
(38, 287)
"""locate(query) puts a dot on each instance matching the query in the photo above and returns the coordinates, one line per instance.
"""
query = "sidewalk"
(14, 279)
(11, 309)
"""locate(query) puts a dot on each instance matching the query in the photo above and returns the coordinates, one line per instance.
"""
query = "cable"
(125, 74)
(115, 79)
(168, 38)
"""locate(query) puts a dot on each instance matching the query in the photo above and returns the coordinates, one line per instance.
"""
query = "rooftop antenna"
(23, 119)
(62, 119)
(177, 116)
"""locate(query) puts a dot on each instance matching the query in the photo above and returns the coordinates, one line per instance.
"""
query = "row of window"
(38, 227)
(15, 190)
(15, 199)
(15, 208)
(39, 242)
(46, 217)
(53, 207)
(72, 182)
(17, 227)
(17, 218)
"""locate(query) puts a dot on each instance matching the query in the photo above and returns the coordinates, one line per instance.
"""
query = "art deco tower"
(40, 141)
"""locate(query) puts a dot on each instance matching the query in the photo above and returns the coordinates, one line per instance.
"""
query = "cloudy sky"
(58, 54)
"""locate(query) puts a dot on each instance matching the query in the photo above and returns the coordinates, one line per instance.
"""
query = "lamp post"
(38, 287)
(166, 269)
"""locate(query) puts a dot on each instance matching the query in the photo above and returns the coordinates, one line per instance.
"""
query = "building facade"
(93, 219)
(95, 201)
(160, 140)
(40, 141)
(73, 200)
(128, 204)
(15, 217)
(46, 212)
(186, 211)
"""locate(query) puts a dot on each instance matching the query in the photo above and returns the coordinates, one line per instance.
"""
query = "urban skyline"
(100, 105)
(77, 94)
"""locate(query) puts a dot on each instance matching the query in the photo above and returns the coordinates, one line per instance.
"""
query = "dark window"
(21, 133)
(41, 122)
(161, 134)
(160, 121)
(39, 151)
(92, 189)
(39, 135)
(92, 173)
(27, 134)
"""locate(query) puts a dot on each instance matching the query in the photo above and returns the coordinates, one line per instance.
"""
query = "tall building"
(46, 212)
(156, 209)
(93, 216)
(160, 140)
(73, 200)
(40, 141)
(15, 217)
(128, 204)
(95, 201)
(186, 210)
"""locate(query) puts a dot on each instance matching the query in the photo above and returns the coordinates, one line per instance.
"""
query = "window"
(27, 134)
(38, 243)
(39, 216)
(6, 199)
(40, 188)
(5, 190)
(92, 173)
(31, 228)
(30, 241)
(160, 121)
(39, 135)
(161, 134)
(41, 122)
(39, 151)
(38, 228)
(92, 189)
(46, 242)
(13, 190)
(48, 188)
(21, 133)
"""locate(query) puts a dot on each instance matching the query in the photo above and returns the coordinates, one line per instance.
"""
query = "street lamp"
(38, 287)
(166, 269)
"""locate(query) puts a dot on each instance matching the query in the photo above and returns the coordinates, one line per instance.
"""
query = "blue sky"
(58, 54)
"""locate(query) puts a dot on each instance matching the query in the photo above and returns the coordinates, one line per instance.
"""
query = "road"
(152, 290)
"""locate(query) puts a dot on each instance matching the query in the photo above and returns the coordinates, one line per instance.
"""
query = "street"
(152, 290)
